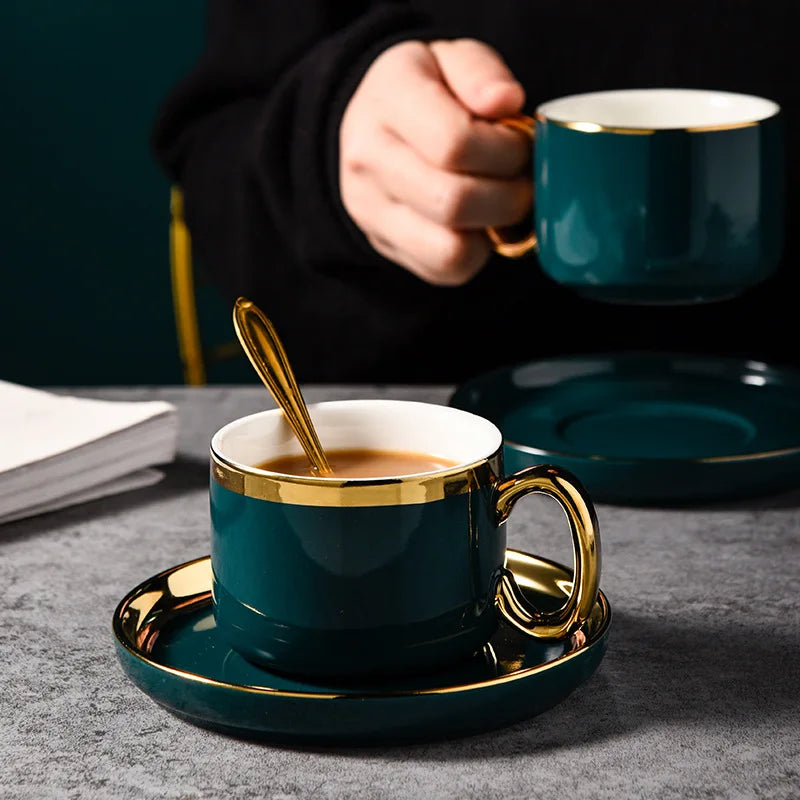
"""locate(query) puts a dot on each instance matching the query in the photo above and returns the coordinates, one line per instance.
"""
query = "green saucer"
(168, 645)
(648, 429)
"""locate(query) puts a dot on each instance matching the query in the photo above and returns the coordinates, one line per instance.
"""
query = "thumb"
(479, 78)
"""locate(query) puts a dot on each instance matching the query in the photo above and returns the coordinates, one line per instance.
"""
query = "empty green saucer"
(168, 645)
(648, 429)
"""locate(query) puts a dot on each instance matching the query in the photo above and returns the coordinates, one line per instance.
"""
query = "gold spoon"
(260, 341)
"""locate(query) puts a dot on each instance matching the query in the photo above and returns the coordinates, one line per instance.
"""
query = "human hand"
(423, 167)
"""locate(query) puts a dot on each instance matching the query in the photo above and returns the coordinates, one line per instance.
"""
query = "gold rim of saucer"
(756, 456)
(143, 613)
(402, 490)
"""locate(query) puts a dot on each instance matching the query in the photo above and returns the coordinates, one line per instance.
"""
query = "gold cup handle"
(501, 245)
(573, 499)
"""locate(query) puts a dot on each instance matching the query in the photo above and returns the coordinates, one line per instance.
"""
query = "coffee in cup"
(361, 463)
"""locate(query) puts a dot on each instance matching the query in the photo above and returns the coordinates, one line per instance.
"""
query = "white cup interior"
(659, 109)
(399, 425)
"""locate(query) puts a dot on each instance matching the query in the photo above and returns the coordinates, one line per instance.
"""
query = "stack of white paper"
(58, 450)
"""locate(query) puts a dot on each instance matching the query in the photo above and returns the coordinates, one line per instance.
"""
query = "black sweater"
(251, 135)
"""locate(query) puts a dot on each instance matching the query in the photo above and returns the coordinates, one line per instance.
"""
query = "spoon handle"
(267, 355)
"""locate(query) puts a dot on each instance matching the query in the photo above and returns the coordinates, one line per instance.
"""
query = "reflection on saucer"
(184, 665)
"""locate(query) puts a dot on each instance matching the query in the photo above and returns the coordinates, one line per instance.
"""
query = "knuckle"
(398, 55)
(469, 42)
(381, 245)
(358, 207)
(451, 148)
(452, 200)
(477, 51)
(456, 261)
(356, 212)
(353, 159)
(356, 145)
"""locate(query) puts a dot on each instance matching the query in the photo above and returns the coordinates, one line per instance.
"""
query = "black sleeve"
(251, 134)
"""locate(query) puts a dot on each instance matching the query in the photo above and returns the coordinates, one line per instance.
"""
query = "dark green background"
(85, 296)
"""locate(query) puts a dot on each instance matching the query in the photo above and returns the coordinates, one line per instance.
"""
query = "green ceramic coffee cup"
(655, 196)
(360, 578)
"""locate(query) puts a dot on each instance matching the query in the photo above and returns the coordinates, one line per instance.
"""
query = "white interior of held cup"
(435, 430)
(659, 109)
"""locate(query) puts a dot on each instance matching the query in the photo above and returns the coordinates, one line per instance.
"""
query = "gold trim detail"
(308, 491)
(147, 610)
(520, 247)
(594, 127)
(579, 510)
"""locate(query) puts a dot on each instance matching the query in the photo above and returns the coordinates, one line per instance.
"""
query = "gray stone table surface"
(697, 695)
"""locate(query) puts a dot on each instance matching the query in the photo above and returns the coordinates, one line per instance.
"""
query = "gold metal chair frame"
(194, 356)
(190, 345)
